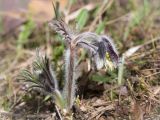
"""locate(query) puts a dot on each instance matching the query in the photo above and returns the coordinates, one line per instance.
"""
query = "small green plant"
(137, 16)
(26, 31)
(101, 50)
(82, 19)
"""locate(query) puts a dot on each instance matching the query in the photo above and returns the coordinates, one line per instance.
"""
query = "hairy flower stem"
(70, 76)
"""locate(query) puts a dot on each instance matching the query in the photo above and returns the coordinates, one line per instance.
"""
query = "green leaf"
(101, 27)
(137, 17)
(108, 78)
(99, 78)
(26, 31)
(59, 100)
(82, 19)
(58, 52)
(47, 97)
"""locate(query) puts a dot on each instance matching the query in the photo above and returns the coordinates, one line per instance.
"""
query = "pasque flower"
(100, 48)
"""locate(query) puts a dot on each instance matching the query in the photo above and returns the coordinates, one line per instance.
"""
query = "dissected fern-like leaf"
(42, 78)
(42, 74)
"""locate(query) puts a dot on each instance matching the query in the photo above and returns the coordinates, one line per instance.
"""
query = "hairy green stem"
(69, 89)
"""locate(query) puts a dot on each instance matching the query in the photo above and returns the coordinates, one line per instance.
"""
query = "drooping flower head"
(101, 48)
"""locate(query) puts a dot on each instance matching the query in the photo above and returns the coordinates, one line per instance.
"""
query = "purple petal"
(110, 48)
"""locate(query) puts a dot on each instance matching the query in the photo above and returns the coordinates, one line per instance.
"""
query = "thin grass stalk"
(121, 71)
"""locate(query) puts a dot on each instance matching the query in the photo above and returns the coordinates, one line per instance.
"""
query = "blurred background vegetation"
(134, 26)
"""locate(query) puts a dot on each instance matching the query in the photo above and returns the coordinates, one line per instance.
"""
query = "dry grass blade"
(106, 4)
(73, 15)
(101, 110)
